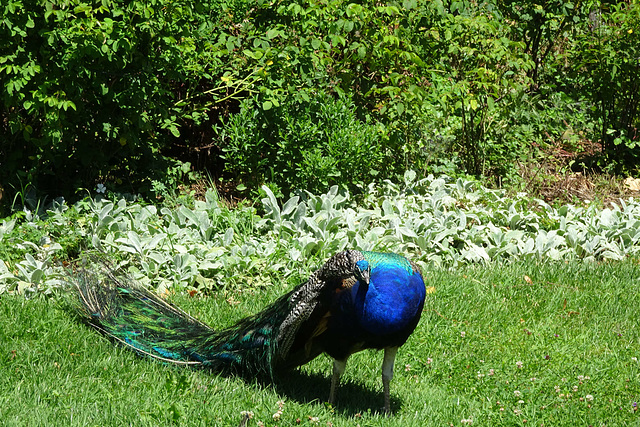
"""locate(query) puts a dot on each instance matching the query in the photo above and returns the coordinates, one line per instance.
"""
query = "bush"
(102, 90)
(96, 90)
(306, 145)
(607, 72)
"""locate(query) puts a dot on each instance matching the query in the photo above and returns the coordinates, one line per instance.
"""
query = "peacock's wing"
(312, 296)
(331, 305)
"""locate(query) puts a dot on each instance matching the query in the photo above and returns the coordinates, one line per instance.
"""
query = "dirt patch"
(556, 183)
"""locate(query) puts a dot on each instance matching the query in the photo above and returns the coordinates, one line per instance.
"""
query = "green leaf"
(228, 237)
(267, 105)
(272, 33)
(490, 103)
(82, 8)
(348, 26)
(409, 177)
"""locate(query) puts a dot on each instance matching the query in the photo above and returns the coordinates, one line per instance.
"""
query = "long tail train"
(141, 320)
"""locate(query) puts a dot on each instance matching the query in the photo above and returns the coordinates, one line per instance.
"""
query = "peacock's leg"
(338, 370)
(387, 375)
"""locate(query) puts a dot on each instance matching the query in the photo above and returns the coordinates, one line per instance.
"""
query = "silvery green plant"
(435, 221)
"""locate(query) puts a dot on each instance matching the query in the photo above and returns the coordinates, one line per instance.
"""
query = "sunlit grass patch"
(552, 344)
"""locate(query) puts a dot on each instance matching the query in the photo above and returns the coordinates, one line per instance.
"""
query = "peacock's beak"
(366, 276)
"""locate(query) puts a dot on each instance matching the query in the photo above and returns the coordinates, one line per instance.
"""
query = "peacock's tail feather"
(141, 320)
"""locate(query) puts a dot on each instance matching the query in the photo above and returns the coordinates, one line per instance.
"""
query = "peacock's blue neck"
(391, 301)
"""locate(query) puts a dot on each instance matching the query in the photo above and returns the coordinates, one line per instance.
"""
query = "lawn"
(525, 343)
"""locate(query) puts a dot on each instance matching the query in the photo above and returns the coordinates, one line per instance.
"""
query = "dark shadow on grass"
(351, 398)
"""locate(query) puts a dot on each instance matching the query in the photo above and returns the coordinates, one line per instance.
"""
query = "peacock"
(357, 300)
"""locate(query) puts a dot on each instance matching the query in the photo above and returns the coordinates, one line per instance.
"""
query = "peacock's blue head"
(363, 271)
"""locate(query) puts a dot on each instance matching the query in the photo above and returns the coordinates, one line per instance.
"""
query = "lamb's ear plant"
(435, 221)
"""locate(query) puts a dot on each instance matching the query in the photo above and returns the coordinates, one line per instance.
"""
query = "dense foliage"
(112, 91)
(319, 144)
(93, 89)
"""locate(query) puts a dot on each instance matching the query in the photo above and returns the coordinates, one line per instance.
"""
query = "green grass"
(573, 327)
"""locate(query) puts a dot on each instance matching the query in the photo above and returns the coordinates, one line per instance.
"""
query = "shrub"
(607, 72)
(105, 89)
(306, 145)
(97, 89)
